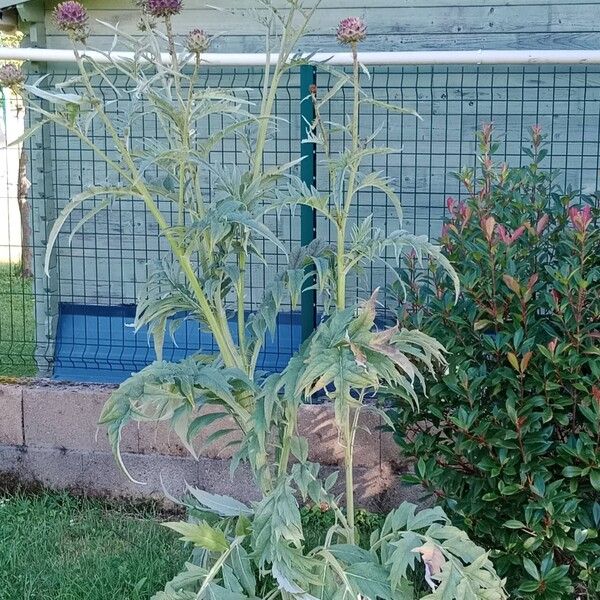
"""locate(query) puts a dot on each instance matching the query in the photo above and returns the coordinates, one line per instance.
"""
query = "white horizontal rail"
(464, 57)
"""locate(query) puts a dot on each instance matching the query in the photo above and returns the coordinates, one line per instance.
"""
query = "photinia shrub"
(508, 440)
(258, 550)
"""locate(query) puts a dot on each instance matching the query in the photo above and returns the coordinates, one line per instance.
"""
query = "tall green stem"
(241, 306)
(219, 329)
(349, 469)
(286, 47)
(349, 425)
(289, 429)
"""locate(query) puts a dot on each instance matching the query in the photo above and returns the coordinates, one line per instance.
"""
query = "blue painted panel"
(97, 344)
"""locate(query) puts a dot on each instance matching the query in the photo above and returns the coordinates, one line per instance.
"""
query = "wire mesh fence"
(76, 324)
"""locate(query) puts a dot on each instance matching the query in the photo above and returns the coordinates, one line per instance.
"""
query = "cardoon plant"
(257, 551)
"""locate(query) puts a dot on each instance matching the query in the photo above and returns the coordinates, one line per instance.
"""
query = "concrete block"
(53, 468)
(11, 459)
(58, 448)
(57, 416)
(377, 489)
(159, 438)
(11, 416)
(101, 474)
(214, 475)
(96, 473)
(373, 446)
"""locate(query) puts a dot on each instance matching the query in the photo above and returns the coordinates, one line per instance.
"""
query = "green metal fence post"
(308, 174)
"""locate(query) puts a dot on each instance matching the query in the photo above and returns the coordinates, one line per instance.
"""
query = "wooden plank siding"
(109, 258)
(393, 24)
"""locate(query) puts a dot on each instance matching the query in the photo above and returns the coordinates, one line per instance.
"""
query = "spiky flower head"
(11, 76)
(163, 8)
(351, 30)
(72, 18)
(197, 41)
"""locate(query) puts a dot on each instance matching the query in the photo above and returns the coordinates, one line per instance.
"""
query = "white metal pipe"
(463, 57)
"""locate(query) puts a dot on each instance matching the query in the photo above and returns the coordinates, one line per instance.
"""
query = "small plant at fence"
(257, 551)
(509, 441)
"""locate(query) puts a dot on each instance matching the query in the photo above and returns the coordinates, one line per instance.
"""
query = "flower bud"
(351, 30)
(486, 132)
(517, 233)
(163, 8)
(11, 76)
(536, 136)
(487, 225)
(197, 42)
(71, 17)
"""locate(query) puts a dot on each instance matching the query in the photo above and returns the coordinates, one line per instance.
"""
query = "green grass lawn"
(57, 547)
(17, 324)
(54, 546)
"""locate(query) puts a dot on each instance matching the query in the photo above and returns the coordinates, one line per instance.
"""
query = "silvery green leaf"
(163, 390)
(74, 203)
(350, 553)
(89, 216)
(221, 505)
(371, 579)
(246, 219)
(214, 591)
(54, 97)
(182, 585)
(200, 534)
(391, 107)
(402, 557)
(401, 240)
(377, 181)
(242, 567)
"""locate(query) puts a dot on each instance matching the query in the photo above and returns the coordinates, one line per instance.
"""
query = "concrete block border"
(49, 436)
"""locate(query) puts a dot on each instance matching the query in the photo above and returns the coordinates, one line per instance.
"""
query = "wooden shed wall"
(393, 24)
(108, 259)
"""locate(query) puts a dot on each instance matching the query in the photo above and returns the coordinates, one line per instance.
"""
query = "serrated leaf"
(221, 505)
(201, 535)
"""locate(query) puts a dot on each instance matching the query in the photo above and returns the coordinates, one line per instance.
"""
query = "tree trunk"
(23, 186)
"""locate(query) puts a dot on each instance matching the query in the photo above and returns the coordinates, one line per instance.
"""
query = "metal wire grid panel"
(94, 281)
(452, 103)
(99, 273)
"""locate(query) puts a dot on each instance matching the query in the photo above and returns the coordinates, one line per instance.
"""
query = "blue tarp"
(97, 344)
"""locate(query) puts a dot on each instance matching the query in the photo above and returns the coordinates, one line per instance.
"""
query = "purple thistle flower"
(197, 42)
(11, 76)
(351, 30)
(71, 17)
(163, 8)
